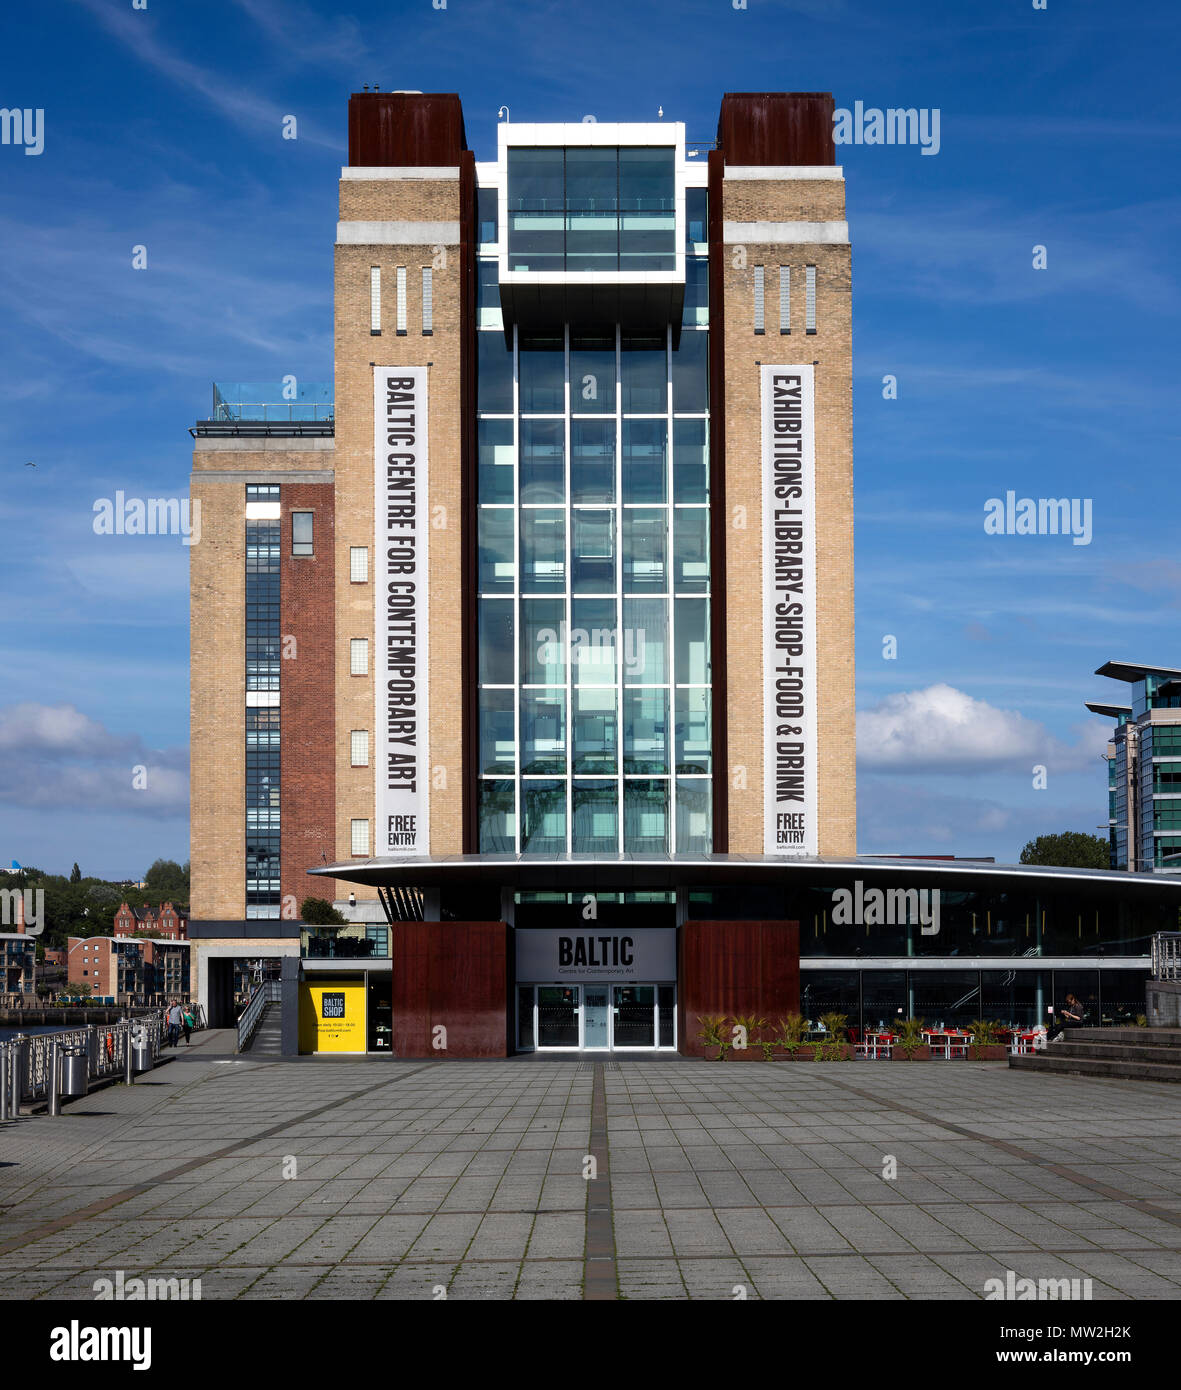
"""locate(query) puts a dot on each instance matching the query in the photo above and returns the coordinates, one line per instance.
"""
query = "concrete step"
(1062, 1063)
(1139, 1037)
(1117, 1052)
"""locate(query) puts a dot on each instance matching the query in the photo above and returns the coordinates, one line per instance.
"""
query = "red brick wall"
(735, 968)
(453, 974)
(307, 684)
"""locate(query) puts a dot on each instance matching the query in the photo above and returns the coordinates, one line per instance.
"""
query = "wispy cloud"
(245, 108)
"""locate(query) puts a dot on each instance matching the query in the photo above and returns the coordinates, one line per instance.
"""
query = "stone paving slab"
(424, 1180)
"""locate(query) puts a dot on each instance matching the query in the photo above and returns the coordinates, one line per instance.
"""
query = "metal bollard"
(3, 1081)
(16, 1057)
(128, 1070)
(55, 1104)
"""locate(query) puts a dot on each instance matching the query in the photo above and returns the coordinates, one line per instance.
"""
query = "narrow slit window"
(360, 837)
(428, 301)
(359, 656)
(358, 564)
(359, 747)
(759, 315)
(375, 300)
(785, 299)
(402, 300)
(810, 299)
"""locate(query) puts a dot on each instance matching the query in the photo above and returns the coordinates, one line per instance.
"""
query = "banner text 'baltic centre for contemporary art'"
(789, 611)
(402, 592)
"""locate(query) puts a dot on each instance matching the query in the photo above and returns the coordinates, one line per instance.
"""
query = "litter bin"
(75, 1073)
(141, 1056)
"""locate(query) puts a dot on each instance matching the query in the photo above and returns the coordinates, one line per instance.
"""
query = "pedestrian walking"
(188, 1023)
(173, 1019)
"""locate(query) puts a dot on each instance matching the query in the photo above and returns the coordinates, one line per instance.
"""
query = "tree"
(1073, 849)
(75, 873)
(319, 912)
(167, 879)
(76, 991)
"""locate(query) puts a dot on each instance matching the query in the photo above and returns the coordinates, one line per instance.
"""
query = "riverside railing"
(26, 1062)
(269, 992)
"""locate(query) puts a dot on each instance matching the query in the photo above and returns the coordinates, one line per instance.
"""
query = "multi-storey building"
(112, 966)
(168, 921)
(17, 964)
(1144, 768)
(533, 635)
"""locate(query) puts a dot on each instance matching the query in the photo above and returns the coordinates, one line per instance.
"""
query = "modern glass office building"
(529, 645)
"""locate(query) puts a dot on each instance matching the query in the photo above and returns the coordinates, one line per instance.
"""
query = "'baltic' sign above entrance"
(643, 953)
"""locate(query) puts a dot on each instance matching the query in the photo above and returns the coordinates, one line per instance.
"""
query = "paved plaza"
(339, 1179)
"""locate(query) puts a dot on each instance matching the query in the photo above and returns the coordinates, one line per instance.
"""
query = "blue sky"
(163, 129)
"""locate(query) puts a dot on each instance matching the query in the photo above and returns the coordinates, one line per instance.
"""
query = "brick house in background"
(113, 967)
(169, 921)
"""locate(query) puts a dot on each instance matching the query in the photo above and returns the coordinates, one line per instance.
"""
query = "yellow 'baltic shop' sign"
(332, 1016)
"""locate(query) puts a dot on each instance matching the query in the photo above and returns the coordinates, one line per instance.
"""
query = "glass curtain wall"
(594, 579)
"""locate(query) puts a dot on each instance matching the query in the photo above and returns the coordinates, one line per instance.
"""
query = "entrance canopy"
(642, 872)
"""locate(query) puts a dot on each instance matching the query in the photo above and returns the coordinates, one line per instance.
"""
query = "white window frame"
(810, 299)
(401, 300)
(359, 656)
(359, 747)
(428, 302)
(760, 300)
(359, 835)
(785, 299)
(375, 300)
(358, 564)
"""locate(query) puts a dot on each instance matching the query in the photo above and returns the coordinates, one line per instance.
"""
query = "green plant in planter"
(908, 1035)
(714, 1033)
(835, 1025)
(753, 1027)
(983, 1031)
(829, 1052)
(791, 1033)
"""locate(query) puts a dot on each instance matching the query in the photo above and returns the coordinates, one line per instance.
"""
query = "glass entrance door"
(595, 1016)
(557, 1015)
(635, 1015)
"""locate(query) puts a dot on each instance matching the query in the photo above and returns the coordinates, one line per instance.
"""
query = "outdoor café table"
(1023, 1042)
(878, 1044)
(942, 1041)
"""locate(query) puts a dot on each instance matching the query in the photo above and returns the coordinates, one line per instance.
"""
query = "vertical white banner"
(789, 611)
(401, 592)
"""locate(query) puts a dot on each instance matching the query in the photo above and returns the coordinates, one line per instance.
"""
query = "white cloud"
(57, 757)
(942, 729)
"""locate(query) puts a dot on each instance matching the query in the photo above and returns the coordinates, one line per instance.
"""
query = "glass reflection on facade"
(593, 532)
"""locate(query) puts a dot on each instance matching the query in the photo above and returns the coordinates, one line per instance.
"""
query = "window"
(810, 299)
(358, 564)
(360, 837)
(428, 302)
(785, 299)
(359, 747)
(375, 300)
(301, 533)
(759, 299)
(486, 210)
(359, 656)
(402, 301)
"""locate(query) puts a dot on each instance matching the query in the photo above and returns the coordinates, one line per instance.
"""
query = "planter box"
(922, 1053)
(990, 1052)
(807, 1052)
(751, 1053)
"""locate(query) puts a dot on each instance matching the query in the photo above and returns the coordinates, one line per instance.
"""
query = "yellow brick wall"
(356, 352)
(830, 349)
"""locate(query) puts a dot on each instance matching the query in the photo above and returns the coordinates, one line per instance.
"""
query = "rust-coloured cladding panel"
(453, 974)
(777, 128)
(396, 130)
(734, 968)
